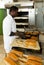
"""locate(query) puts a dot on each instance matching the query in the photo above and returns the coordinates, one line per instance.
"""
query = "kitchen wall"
(39, 15)
(23, 0)
(3, 12)
(2, 3)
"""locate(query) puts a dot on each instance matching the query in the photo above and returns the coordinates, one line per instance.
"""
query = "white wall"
(2, 3)
(6, 1)
(23, 0)
(40, 15)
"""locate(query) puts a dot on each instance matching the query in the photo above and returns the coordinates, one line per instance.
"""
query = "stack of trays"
(18, 58)
(28, 40)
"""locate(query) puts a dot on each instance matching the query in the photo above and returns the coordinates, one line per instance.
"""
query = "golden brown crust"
(9, 61)
(35, 32)
(32, 32)
(13, 56)
(35, 58)
(34, 38)
(18, 53)
(28, 33)
(30, 62)
(30, 42)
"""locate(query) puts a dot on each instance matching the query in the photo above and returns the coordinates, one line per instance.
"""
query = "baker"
(9, 28)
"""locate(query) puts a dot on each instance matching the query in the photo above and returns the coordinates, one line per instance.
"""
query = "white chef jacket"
(9, 26)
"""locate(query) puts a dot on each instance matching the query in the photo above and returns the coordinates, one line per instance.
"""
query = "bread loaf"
(13, 56)
(34, 38)
(30, 62)
(30, 42)
(35, 32)
(9, 61)
(18, 53)
(30, 32)
(35, 58)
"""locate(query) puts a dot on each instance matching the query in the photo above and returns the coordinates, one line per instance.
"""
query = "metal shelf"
(20, 4)
(21, 23)
(20, 29)
(21, 18)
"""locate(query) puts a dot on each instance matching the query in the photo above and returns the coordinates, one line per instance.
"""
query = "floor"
(2, 52)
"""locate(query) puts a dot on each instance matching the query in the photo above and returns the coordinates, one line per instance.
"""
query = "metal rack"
(25, 13)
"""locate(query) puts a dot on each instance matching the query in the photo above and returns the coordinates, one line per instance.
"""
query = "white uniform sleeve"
(6, 27)
(13, 26)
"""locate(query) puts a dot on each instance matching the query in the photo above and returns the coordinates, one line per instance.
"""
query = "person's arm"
(13, 34)
(13, 29)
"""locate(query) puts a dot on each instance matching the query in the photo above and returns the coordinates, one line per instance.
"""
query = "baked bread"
(30, 42)
(30, 32)
(35, 32)
(13, 56)
(18, 53)
(34, 38)
(9, 61)
(35, 58)
(30, 62)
